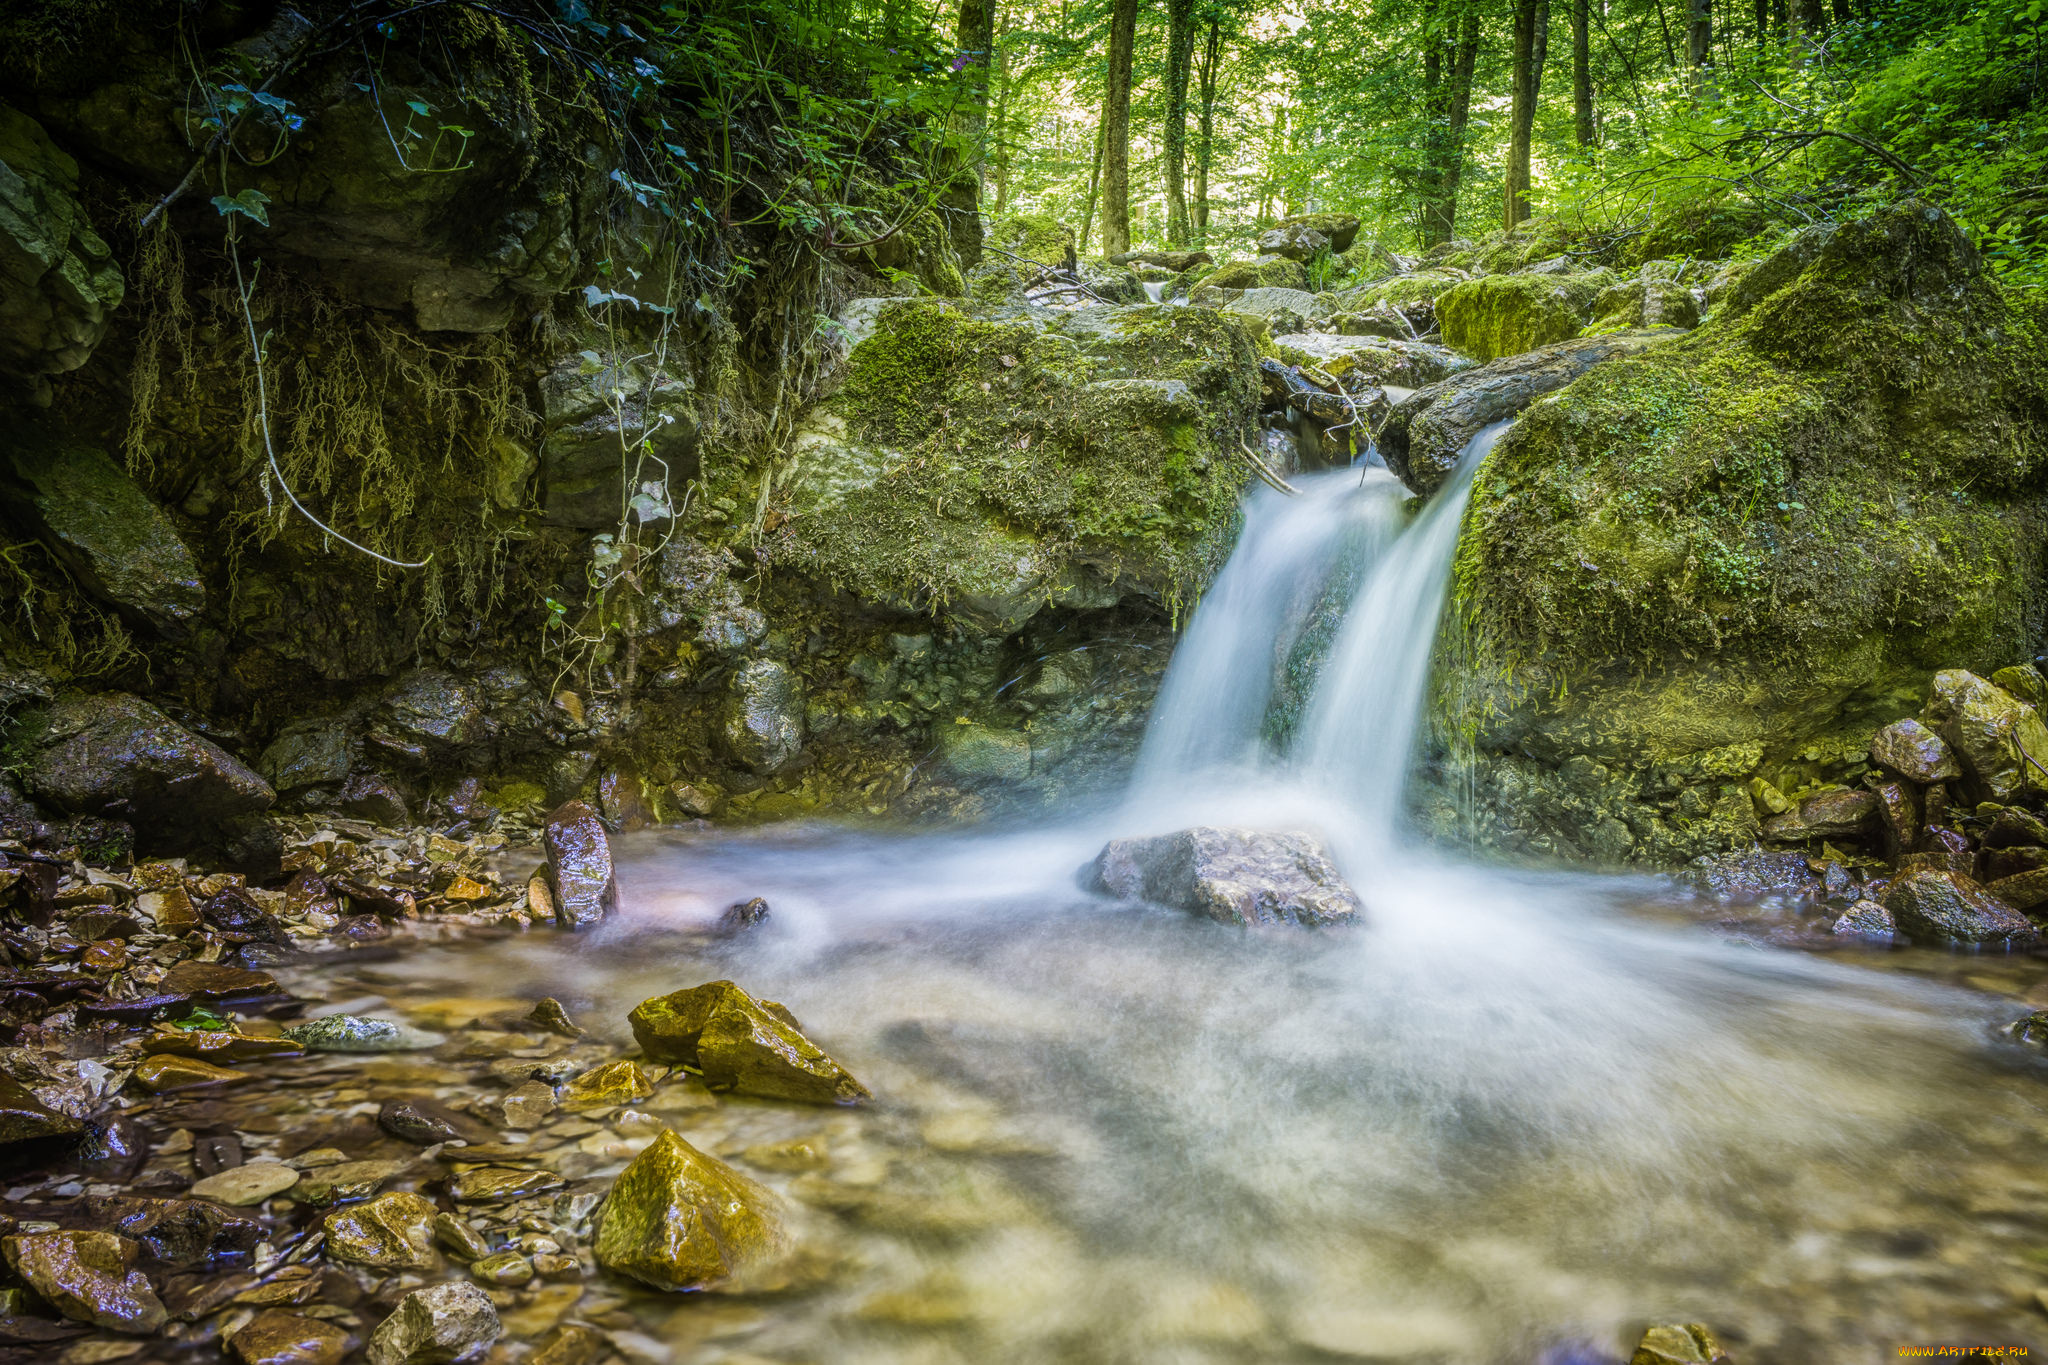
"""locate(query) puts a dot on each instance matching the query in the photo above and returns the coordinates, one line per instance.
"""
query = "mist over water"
(1515, 1109)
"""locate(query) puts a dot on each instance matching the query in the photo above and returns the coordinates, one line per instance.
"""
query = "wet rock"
(763, 721)
(249, 1184)
(117, 543)
(88, 1277)
(2022, 891)
(2010, 862)
(2032, 1030)
(393, 1231)
(371, 797)
(459, 1239)
(118, 757)
(743, 915)
(1426, 431)
(1943, 905)
(550, 1017)
(581, 883)
(430, 714)
(164, 1072)
(603, 1087)
(1824, 815)
(1914, 752)
(500, 1184)
(982, 752)
(179, 1233)
(2024, 681)
(1998, 737)
(344, 1181)
(739, 1043)
(279, 1338)
(2010, 827)
(24, 1118)
(441, 1323)
(528, 1104)
(678, 1219)
(113, 1147)
(624, 800)
(217, 981)
(358, 1033)
(503, 1269)
(1231, 875)
(1898, 817)
(1690, 1343)
(1865, 919)
(59, 283)
(419, 1121)
(310, 753)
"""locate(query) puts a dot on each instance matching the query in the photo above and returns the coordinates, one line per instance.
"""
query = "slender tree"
(1451, 49)
(1205, 136)
(1699, 35)
(1582, 74)
(1116, 130)
(1094, 186)
(975, 35)
(1180, 47)
(1526, 67)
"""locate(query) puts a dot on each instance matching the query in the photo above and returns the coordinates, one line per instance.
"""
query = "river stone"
(1914, 752)
(23, 1117)
(1690, 1343)
(763, 721)
(678, 1219)
(279, 1338)
(1992, 731)
(580, 878)
(88, 1277)
(310, 753)
(218, 1045)
(1824, 815)
(1944, 905)
(165, 1071)
(430, 713)
(528, 1105)
(118, 757)
(1232, 875)
(1424, 434)
(550, 1017)
(417, 1120)
(741, 1044)
(2022, 890)
(502, 1269)
(435, 1325)
(181, 1233)
(251, 1183)
(500, 1184)
(394, 1231)
(358, 1033)
(984, 752)
(606, 1086)
(105, 529)
(217, 981)
(2032, 1030)
(461, 1240)
(1865, 919)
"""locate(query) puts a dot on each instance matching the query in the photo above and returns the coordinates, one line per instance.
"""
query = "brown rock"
(1914, 752)
(1944, 905)
(1691, 1343)
(88, 1277)
(394, 1231)
(2022, 891)
(678, 1219)
(2010, 862)
(1961, 864)
(1824, 815)
(602, 1087)
(741, 1044)
(1999, 738)
(23, 1116)
(580, 878)
(218, 1045)
(213, 981)
(2010, 827)
(168, 1071)
(1898, 817)
(278, 1338)
(499, 1184)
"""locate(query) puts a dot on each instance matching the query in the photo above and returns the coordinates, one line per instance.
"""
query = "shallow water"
(1513, 1110)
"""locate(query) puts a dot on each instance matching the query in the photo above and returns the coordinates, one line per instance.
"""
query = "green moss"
(1404, 290)
(1034, 236)
(1276, 273)
(1508, 314)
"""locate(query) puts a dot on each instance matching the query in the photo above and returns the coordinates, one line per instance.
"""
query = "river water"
(1512, 1120)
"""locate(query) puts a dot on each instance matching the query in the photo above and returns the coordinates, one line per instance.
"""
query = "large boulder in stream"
(1231, 875)
(1739, 553)
(579, 866)
(1500, 315)
(987, 461)
(741, 1044)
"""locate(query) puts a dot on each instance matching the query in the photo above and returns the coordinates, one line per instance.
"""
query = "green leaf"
(250, 203)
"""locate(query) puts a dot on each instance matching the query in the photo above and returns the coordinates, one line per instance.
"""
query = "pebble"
(461, 1240)
(415, 1122)
(498, 1184)
(550, 1016)
(394, 1231)
(504, 1269)
(443, 1322)
(607, 1086)
(529, 1104)
(244, 1185)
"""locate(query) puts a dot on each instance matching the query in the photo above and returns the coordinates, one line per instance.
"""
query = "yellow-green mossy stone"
(678, 1219)
(738, 1043)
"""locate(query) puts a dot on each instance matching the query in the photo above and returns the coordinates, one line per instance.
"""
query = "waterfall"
(1155, 290)
(1204, 754)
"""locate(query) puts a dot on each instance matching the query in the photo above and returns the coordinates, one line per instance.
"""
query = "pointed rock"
(741, 1044)
(436, 1325)
(580, 879)
(88, 1277)
(678, 1219)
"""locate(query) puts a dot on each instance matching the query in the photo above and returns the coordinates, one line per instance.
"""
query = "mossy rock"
(1771, 530)
(1266, 272)
(1034, 236)
(985, 462)
(1502, 315)
(1402, 291)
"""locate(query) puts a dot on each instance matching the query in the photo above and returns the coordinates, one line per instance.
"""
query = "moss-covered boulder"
(678, 1219)
(1501, 315)
(1754, 542)
(1654, 298)
(984, 462)
(59, 285)
(1037, 237)
(1265, 272)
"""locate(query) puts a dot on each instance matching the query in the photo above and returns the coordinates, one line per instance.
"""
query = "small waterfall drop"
(1155, 290)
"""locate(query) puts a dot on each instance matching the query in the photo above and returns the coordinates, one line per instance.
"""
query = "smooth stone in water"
(394, 1231)
(167, 1071)
(1231, 875)
(1690, 1343)
(497, 1184)
(678, 1219)
(24, 1117)
(504, 1269)
(88, 1277)
(279, 1338)
(601, 1087)
(432, 1326)
(528, 1105)
(358, 1033)
(1943, 905)
(740, 1044)
(550, 1016)
(416, 1121)
(244, 1185)
(580, 878)
(462, 1241)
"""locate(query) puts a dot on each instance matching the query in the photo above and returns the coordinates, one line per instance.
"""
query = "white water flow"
(1513, 1111)
(1155, 290)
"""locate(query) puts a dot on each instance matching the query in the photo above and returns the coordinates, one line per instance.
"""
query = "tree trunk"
(1205, 138)
(1180, 51)
(1810, 20)
(1116, 131)
(1843, 14)
(1447, 71)
(1664, 27)
(1094, 188)
(1522, 115)
(1582, 73)
(1699, 33)
(975, 35)
(1763, 24)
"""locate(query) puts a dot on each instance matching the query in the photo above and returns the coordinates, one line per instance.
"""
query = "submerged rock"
(1945, 905)
(118, 757)
(607, 1086)
(274, 1337)
(1690, 1343)
(1426, 431)
(436, 1325)
(678, 1219)
(741, 1044)
(88, 1277)
(393, 1231)
(358, 1033)
(1232, 875)
(580, 877)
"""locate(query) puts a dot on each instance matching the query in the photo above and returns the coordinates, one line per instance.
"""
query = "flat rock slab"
(1232, 875)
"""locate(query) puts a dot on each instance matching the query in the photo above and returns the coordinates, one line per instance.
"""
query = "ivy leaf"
(250, 203)
(420, 107)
